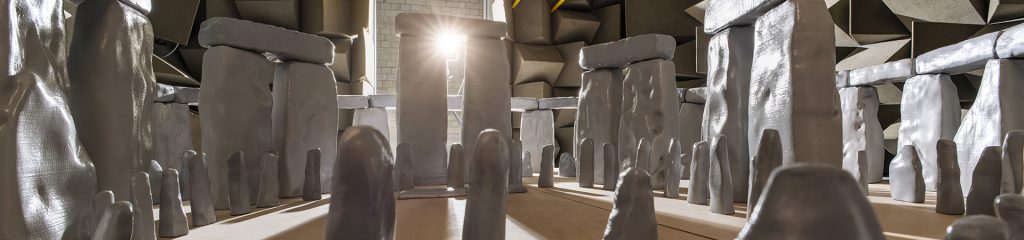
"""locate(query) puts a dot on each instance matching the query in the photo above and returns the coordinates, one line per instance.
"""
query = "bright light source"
(450, 44)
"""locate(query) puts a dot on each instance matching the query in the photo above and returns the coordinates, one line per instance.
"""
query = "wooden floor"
(563, 212)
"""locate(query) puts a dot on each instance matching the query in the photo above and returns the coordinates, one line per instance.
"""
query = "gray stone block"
(236, 112)
(650, 111)
(949, 198)
(538, 131)
(284, 44)
(238, 186)
(611, 167)
(353, 101)
(996, 111)
(721, 15)
(889, 72)
(906, 179)
(566, 165)
(515, 168)
(115, 221)
(422, 108)
(305, 118)
(522, 104)
(485, 201)
(966, 56)
(173, 222)
(1011, 43)
(486, 92)
(930, 111)
(1009, 208)
(1013, 161)
(726, 101)
(862, 131)
(842, 79)
(404, 175)
(572, 26)
(172, 137)
(311, 187)
(282, 13)
(558, 103)
(693, 95)
(572, 73)
(633, 214)
(547, 167)
(377, 118)
(767, 158)
(586, 163)
(700, 167)
(535, 63)
(790, 89)
(532, 22)
(143, 226)
(720, 179)
(985, 182)
(383, 101)
(202, 197)
(363, 201)
(620, 53)
(675, 169)
(457, 167)
(268, 192)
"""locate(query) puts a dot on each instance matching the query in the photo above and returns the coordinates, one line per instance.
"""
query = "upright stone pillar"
(112, 89)
(730, 53)
(597, 117)
(862, 131)
(486, 85)
(35, 122)
(650, 111)
(538, 131)
(930, 111)
(363, 201)
(423, 106)
(304, 117)
(792, 86)
(998, 109)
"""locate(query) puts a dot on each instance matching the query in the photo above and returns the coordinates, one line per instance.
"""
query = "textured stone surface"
(515, 167)
(1011, 43)
(111, 89)
(889, 72)
(143, 226)
(353, 101)
(404, 168)
(202, 197)
(620, 53)
(284, 44)
(373, 117)
(905, 176)
(691, 118)
(978, 227)
(730, 53)
(311, 187)
(722, 14)
(846, 214)
(1010, 208)
(572, 73)
(950, 197)
(236, 112)
(238, 185)
(586, 153)
(720, 177)
(674, 170)
(114, 223)
(538, 131)
(268, 192)
(632, 214)
(842, 79)
(522, 104)
(457, 166)
(535, 63)
(650, 110)
(571, 26)
(532, 22)
(558, 103)
(597, 116)
(156, 174)
(790, 91)
(304, 118)
(767, 158)
(173, 222)
(547, 167)
(1013, 162)
(693, 95)
(930, 111)
(422, 108)
(965, 56)
(995, 112)
(363, 200)
(643, 155)
(611, 169)
(100, 202)
(485, 202)
(985, 184)
(172, 137)
(566, 165)
(862, 174)
(862, 131)
(486, 90)
(697, 192)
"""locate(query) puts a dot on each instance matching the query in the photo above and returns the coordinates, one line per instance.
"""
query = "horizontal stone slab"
(353, 101)
(287, 45)
(842, 79)
(522, 104)
(722, 14)
(620, 53)
(889, 72)
(965, 56)
(383, 101)
(175, 94)
(424, 24)
(1011, 43)
(558, 103)
(692, 95)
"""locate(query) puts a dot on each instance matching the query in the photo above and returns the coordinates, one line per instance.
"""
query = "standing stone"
(905, 179)
(268, 193)
(547, 167)
(597, 116)
(456, 167)
(986, 177)
(685, 161)
(566, 165)
(930, 111)
(156, 176)
(238, 185)
(632, 214)
(730, 53)
(862, 131)
(977, 227)
(485, 100)
(642, 157)
(404, 171)
(236, 111)
(674, 174)
(1013, 162)
(720, 178)
(485, 200)
(304, 117)
(100, 202)
(586, 159)
(363, 199)
(766, 160)
(113, 223)
(950, 197)
(862, 175)
(697, 192)
(202, 197)
(538, 131)
(794, 56)
(812, 201)
(515, 168)
(173, 222)
(527, 164)
(311, 188)
(650, 110)
(112, 89)
(691, 118)
(1010, 208)
(37, 130)
(996, 111)
(143, 227)
(422, 108)
(611, 167)
(172, 136)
